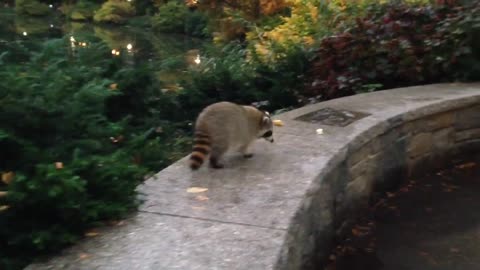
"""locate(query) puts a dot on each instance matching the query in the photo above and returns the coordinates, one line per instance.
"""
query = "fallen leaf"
(320, 131)
(201, 208)
(91, 234)
(201, 198)
(83, 256)
(196, 189)
(113, 86)
(423, 253)
(355, 232)
(7, 177)
(3, 194)
(58, 165)
(4, 207)
(466, 165)
(363, 228)
(454, 250)
(278, 123)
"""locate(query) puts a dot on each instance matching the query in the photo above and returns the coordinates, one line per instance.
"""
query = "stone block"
(468, 118)
(420, 144)
(360, 155)
(365, 167)
(440, 121)
(468, 134)
(358, 192)
(443, 139)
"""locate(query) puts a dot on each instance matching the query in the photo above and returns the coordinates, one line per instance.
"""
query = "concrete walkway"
(255, 210)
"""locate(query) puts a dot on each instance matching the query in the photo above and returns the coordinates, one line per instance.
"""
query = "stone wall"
(409, 146)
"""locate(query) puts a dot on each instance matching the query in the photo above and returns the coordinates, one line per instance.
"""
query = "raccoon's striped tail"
(201, 149)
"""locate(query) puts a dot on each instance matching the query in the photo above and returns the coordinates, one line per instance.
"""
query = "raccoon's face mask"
(266, 130)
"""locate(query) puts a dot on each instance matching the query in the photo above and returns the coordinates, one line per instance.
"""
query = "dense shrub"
(236, 75)
(398, 45)
(114, 11)
(31, 7)
(71, 157)
(83, 10)
(176, 17)
(170, 18)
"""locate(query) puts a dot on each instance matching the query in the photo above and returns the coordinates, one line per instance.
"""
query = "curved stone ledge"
(282, 208)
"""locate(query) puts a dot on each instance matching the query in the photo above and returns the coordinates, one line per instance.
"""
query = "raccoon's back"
(224, 120)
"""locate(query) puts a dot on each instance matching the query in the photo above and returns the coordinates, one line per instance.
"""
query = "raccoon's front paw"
(216, 166)
(248, 155)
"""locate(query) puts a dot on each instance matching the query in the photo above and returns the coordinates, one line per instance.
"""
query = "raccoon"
(226, 126)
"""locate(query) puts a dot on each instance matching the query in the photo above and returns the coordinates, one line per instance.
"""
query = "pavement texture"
(282, 208)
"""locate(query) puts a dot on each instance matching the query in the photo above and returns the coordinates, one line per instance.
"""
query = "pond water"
(134, 44)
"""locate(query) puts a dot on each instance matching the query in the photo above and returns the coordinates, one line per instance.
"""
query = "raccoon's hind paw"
(248, 155)
(215, 164)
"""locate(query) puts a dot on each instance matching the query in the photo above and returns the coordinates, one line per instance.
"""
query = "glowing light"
(72, 39)
(117, 53)
(129, 46)
(197, 60)
(114, 51)
(51, 25)
(192, 2)
(24, 33)
(50, 6)
(129, 0)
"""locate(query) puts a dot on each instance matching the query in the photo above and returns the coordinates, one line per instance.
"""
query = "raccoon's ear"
(265, 121)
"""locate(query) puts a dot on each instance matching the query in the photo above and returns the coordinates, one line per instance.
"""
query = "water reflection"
(132, 44)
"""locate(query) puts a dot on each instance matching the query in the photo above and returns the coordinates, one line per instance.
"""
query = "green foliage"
(196, 24)
(114, 11)
(83, 10)
(31, 7)
(70, 113)
(175, 17)
(397, 45)
(170, 18)
(233, 75)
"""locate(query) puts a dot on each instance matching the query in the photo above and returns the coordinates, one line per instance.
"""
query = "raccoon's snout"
(268, 136)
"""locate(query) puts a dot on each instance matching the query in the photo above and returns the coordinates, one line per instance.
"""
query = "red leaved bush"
(399, 45)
